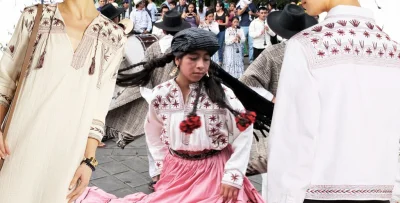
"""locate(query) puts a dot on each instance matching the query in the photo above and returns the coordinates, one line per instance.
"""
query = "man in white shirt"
(260, 32)
(335, 131)
(125, 5)
(141, 18)
(157, 31)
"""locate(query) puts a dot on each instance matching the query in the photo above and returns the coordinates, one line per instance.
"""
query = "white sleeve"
(149, 22)
(263, 92)
(242, 36)
(271, 33)
(253, 31)
(235, 167)
(214, 27)
(152, 129)
(294, 129)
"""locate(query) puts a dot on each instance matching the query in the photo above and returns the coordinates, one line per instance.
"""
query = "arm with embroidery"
(106, 92)
(228, 38)
(153, 129)
(294, 129)
(235, 167)
(13, 57)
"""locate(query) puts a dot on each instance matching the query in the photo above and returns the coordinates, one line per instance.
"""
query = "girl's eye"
(193, 58)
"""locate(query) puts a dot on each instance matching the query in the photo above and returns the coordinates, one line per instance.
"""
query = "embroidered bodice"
(218, 129)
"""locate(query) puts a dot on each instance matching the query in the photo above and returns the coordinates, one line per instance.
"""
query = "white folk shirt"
(213, 27)
(255, 31)
(166, 111)
(141, 20)
(157, 31)
(231, 33)
(335, 132)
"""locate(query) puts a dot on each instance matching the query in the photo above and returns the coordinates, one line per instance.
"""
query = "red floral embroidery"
(164, 104)
(314, 40)
(191, 123)
(317, 29)
(156, 105)
(342, 22)
(338, 42)
(207, 104)
(326, 45)
(174, 90)
(366, 34)
(328, 34)
(306, 34)
(334, 50)
(244, 120)
(379, 28)
(391, 54)
(330, 25)
(355, 23)
(370, 25)
(341, 32)
(234, 177)
(213, 118)
(175, 104)
(347, 49)
(321, 53)
(381, 53)
(352, 32)
(159, 87)
(12, 49)
(369, 51)
(164, 117)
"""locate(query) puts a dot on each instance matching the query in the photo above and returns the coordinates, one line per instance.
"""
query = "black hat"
(193, 39)
(172, 22)
(111, 12)
(290, 21)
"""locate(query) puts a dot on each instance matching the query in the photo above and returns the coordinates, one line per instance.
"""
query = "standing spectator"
(172, 4)
(226, 4)
(201, 10)
(272, 6)
(190, 15)
(166, 3)
(181, 7)
(232, 14)
(141, 18)
(222, 19)
(112, 2)
(157, 31)
(151, 6)
(246, 12)
(260, 32)
(210, 25)
(233, 54)
(101, 4)
(125, 5)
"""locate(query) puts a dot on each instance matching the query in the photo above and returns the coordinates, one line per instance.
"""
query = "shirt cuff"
(97, 130)
(5, 99)
(233, 178)
(158, 167)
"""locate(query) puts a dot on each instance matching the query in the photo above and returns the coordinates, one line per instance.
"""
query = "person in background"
(112, 2)
(151, 6)
(233, 55)
(226, 4)
(157, 31)
(272, 6)
(333, 137)
(181, 7)
(125, 5)
(260, 32)
(232, 14)
(190, 15)
(211, 25)
(141, 18)
(112, 13)
(101, 4)
(201, 11)
(293, 2)
(246, 13)
(166, 3)
(172, 5)
(222, 18)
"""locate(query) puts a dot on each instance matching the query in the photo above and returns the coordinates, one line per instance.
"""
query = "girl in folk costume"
(59, 117)
(211, 25)
(234, 39)
(197, 130)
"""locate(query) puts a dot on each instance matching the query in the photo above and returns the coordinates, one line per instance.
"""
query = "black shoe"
(151, 185)
(246, 55)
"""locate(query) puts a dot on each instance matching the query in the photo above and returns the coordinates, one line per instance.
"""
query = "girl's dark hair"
(201, 8)
(194, 6)
(221, 4)
(212, 84)
(235, 18)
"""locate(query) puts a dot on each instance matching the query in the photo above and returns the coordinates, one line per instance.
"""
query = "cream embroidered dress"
(60, 106)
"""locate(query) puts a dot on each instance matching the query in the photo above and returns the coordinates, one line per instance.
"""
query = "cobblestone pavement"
(125, 171)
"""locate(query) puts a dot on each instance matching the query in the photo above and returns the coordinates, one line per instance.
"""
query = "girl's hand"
(79, 182)
(4, 149)
(229, 193)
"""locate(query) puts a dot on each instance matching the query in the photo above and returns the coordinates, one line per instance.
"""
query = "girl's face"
(218, 7)
(101, 3)
(315, 7)
(210, 17)
(193, 66)
(235, 23)
(191, 8)
(232, 7)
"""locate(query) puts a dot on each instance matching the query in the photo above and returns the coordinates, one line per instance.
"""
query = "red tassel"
(244, 120)
(191, 123)
(41, 60)
(92, 66)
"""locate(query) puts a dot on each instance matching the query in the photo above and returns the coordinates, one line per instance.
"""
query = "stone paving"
(125, 171)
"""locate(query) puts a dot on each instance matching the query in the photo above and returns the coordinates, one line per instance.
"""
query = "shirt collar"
(350, 11)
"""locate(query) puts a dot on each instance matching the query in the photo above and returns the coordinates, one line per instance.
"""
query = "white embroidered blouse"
(335, 132)
(230, 35)
(167, 110)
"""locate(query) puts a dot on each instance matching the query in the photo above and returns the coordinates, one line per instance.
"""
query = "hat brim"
(119, 12)
(182, 26)
(273, 23)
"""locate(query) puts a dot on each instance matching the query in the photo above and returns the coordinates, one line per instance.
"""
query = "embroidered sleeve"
(297, 106)
(106, 92)
(13, 57)
(153, 128)
(236, 166)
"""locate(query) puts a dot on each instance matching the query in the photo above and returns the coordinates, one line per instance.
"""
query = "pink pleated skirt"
(182, 181)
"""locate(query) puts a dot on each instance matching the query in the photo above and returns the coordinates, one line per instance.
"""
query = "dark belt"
(194, 156)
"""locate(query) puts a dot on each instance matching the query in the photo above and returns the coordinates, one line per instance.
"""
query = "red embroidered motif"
(207, 104)
(317, 28)
(191, 123)
(334, 50)
(321, 53)
(213, 118)
(234, 177)
(330, 25)
(175, 104)
(355, 23)
(244, 120)
(349, 191)
(342, 22)
(12, 49)
(366, 34)
(341, 32)
(328, 34)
